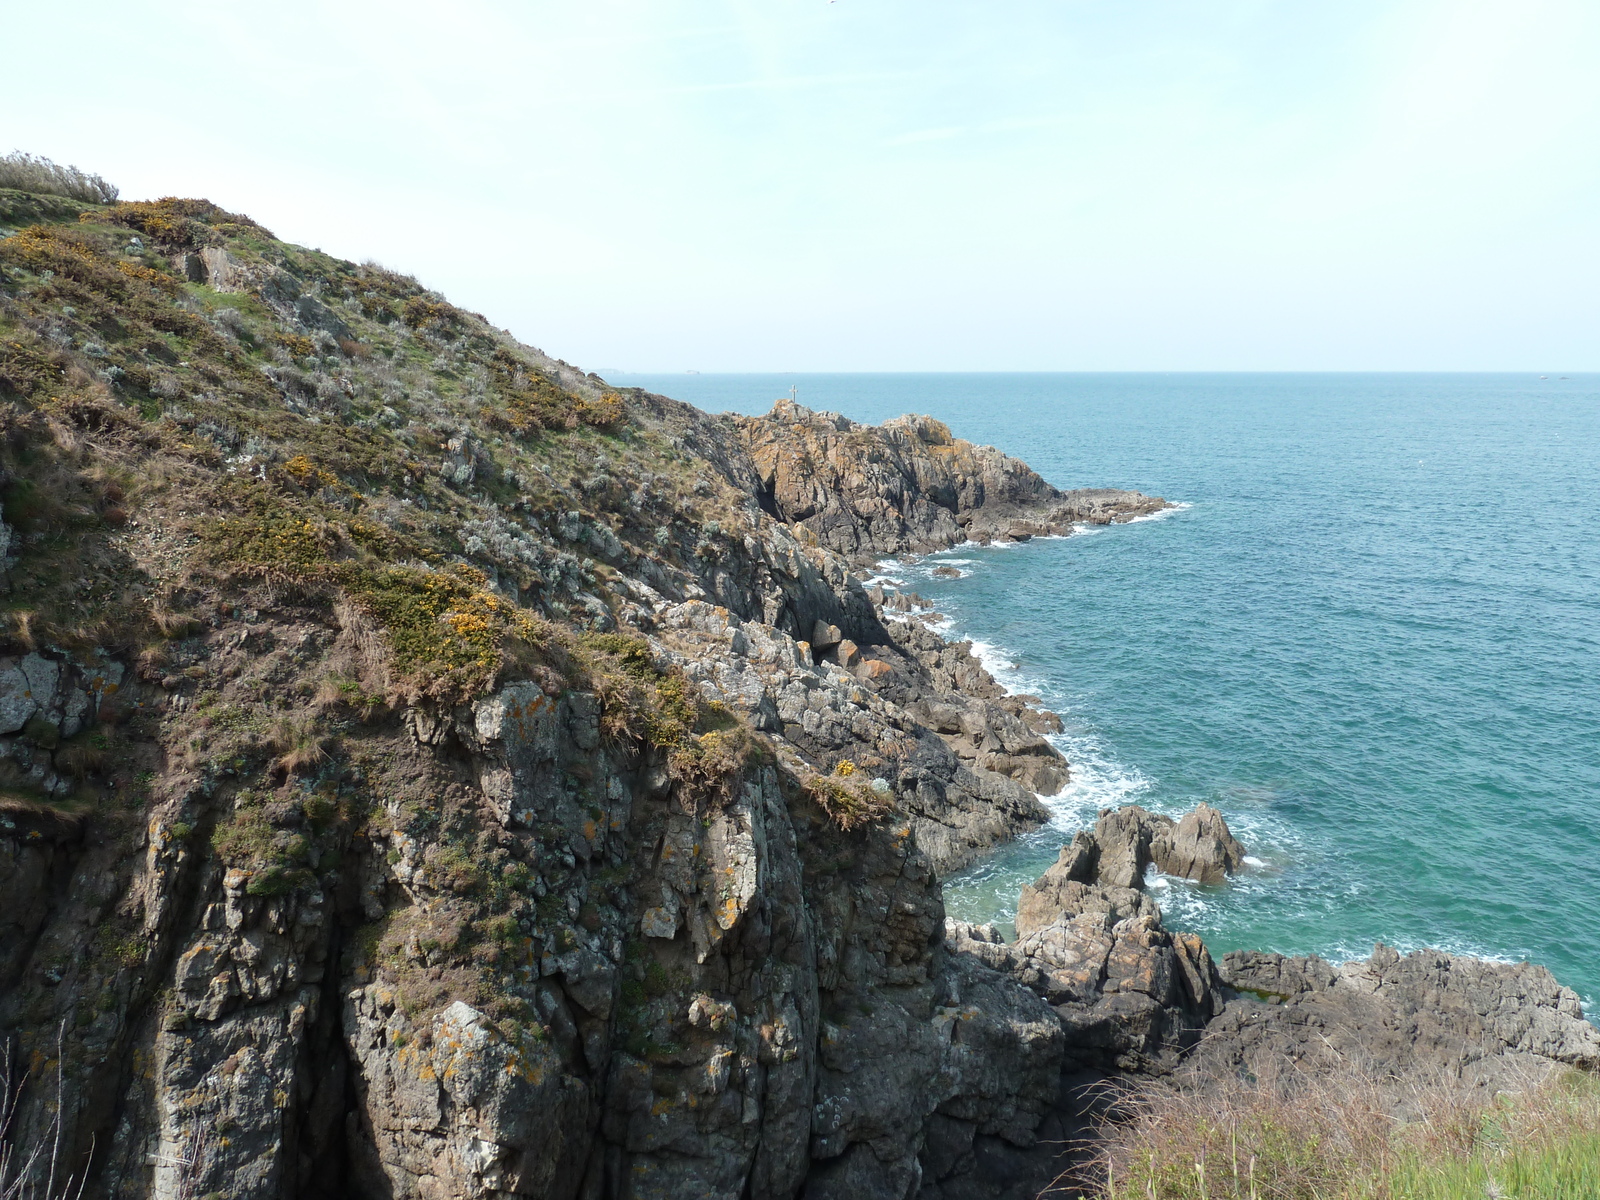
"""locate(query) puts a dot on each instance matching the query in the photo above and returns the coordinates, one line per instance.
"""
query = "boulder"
(848, 654)
(1126, 841)
(872, 670)
(1199, 847)
(825, 637)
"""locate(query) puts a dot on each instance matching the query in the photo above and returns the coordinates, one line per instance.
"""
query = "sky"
(888, 185)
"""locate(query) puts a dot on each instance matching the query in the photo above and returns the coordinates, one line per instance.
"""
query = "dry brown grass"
(35, 173)
(848, 797)
(1347, 1134)
(300, 744)
(173, 624)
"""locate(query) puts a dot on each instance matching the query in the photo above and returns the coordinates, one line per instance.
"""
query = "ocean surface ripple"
(1370, 636)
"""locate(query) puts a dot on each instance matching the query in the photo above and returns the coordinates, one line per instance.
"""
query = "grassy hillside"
(200, 420)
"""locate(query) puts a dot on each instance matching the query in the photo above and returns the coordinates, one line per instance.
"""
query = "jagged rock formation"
(908, 485)
(1130, 994)
(1199, 847)
(1124, 843)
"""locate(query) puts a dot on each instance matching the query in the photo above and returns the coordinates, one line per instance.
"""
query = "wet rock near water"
(1125, 842)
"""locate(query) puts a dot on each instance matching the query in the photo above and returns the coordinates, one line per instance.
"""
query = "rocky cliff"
(430, 772)
(426, 771)
(908, 485)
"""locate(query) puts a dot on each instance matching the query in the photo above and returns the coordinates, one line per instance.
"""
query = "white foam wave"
(1350, 952)
(1250, 860)
(1095, 780)
(1161, 515)
(998, 662)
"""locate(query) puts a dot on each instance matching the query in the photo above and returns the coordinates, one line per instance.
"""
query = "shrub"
(273, 541)
(849, 801)
(30, 173)
(298, 741)
(177, 222)
(606, 413)
(450, 637)
(420, 310)
(707, 746)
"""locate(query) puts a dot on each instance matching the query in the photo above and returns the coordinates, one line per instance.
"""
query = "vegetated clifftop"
(430, 772)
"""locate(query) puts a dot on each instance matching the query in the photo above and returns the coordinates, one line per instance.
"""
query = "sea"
(1368, 632)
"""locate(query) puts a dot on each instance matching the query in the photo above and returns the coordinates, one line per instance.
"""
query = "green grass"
(1566, 1170)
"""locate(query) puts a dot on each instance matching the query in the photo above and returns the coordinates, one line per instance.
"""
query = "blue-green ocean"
(1370, 635)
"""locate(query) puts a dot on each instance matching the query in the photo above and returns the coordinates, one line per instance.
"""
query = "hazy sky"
(887, 184)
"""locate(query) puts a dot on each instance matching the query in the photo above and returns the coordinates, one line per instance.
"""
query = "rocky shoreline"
(482, 782)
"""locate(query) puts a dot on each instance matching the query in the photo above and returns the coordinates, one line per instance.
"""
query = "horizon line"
(1553, 375)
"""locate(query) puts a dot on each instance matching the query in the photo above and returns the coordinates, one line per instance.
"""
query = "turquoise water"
(1370, 636)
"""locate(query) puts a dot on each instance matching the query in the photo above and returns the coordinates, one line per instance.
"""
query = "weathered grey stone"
(824, 637)
(1124, 836)
(17, 702)
(1426, 1013)
(1199, 847)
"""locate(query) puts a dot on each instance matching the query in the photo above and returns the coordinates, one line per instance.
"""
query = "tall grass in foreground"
(1343, 1137)
(33, 1171)
(30, 173)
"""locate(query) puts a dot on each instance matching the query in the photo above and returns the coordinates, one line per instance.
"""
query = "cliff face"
(427, 772)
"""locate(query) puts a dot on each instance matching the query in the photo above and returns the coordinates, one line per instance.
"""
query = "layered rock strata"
(1405, 1017)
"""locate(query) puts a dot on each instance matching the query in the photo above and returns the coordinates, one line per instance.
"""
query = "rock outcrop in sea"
(431, 772)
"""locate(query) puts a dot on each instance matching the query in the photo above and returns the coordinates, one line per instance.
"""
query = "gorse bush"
(178, 222)
(707, 747)
(30, 173)
(848, 798)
